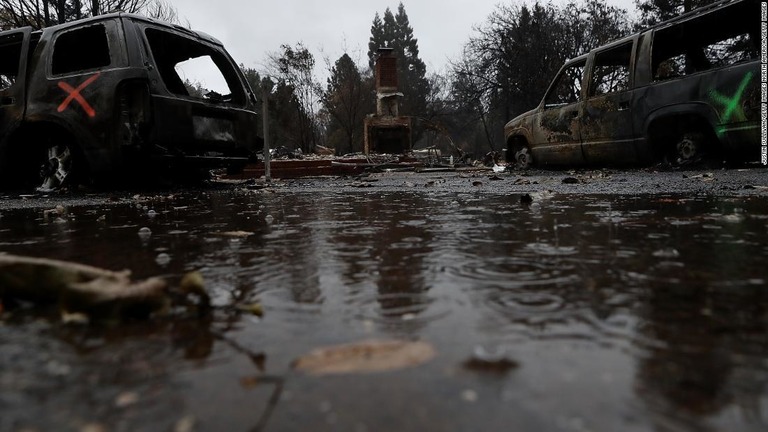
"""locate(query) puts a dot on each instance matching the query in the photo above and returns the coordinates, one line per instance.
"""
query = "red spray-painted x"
(74, 94)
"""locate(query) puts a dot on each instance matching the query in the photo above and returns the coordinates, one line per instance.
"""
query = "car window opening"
(203, 79)
(568, 87)
(700, 45)
(611, 71)
(192, 69)
(10, 58)
(82, 49)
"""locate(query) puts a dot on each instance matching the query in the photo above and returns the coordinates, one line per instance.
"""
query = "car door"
(80, 67)
(13, 62)
(556, 126)
(200, 105)
(607, 130)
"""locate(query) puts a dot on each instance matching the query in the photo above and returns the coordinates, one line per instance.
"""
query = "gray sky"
(252, 29)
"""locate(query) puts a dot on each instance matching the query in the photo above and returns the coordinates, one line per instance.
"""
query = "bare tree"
(33, 13)
(43, 13)
(507, 66)
(161, 10)
(655, 11)
(294, 67)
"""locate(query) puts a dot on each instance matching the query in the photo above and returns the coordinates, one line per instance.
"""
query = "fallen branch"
(80, 288)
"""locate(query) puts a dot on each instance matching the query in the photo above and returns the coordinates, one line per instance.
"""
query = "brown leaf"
(254, 308)
(235, 234)
(365, 357)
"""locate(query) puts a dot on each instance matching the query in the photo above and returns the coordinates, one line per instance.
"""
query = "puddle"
(655, 309)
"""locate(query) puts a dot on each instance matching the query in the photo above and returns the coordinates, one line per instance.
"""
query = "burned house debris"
(387, 131)
(387, 138)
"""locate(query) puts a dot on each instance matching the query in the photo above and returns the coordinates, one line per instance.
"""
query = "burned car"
(112, 95)
(685, 88)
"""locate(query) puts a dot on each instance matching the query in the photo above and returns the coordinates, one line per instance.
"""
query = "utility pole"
(265, 122)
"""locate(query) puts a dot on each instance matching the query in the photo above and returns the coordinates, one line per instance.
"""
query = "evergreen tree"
(261, 87)
(395, 31)
(378, 38)
(346, 101)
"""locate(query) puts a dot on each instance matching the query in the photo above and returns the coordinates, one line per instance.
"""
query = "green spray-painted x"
(732, 105)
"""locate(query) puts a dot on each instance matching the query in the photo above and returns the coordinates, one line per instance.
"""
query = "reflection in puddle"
(655, 307)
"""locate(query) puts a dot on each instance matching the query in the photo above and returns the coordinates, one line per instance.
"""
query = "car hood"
(518, 121)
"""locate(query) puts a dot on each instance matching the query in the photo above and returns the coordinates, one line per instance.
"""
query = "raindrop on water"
(489, 355)
(667, 253)
(145, 233)
(469, 395)
(163, 259)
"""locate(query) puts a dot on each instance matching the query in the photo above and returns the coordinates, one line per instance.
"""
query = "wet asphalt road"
(746, 181)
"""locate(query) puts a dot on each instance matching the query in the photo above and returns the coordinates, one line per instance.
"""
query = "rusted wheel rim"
(56, 169)
(523, 158)
(687, 150)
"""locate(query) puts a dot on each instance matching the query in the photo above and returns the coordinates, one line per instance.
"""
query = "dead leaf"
(58, 211)
(194, 284)
(251, 308)
(365, 357)
(185, 424)
(126, 399)
(250, 382)
(94, 427)
(235, 234)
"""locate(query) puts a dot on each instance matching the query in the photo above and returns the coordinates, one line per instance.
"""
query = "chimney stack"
(387, 103)
(386, 132)
(386, 70)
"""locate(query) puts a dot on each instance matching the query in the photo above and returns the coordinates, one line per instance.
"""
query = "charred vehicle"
(684, 88)
(114, 94)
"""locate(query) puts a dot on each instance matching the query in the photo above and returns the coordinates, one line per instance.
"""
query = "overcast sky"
(251, 30)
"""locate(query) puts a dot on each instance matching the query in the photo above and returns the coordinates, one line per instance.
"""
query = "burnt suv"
(112, 95)
(682, 89)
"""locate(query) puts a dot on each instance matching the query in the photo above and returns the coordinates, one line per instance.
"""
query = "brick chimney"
(386, 70)
(387, 96)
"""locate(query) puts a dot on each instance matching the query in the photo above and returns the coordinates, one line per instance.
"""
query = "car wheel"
(523, 158)
(57, 167)
(689, 148)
